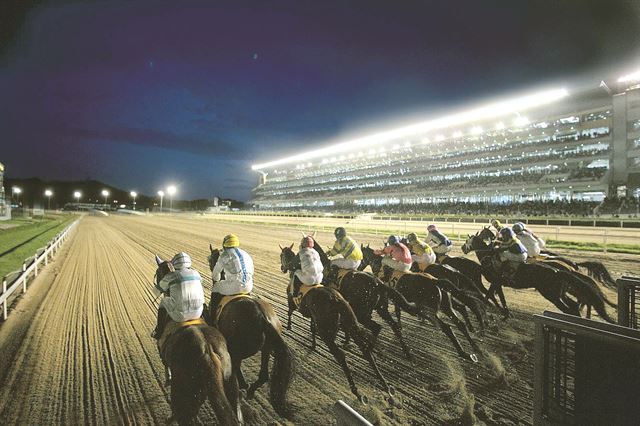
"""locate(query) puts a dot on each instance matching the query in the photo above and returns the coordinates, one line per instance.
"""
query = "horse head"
(164, 267)
(286, 258)
(213, 257)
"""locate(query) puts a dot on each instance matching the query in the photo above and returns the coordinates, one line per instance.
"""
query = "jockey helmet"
(506, 234)
(181, 261)
(231, 240)
(340, 232)
(496, 223)
(393, 240)
(431, 227)
(518, 227)
(412, 237)
(306, 242)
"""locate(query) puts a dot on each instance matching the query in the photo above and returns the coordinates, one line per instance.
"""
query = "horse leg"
(312, 326)
(237, 370)
(368, 355)
(589, 310)
(449, 333)
(338, 355)
(232, 392)
(263, 376)
(385, 315)
(398, 312)
(462, 310)
(292, 307)
(448, 310)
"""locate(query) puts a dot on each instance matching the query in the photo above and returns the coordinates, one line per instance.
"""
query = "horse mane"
(323, 255)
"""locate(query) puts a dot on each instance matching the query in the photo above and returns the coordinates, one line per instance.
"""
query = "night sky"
(194, 92)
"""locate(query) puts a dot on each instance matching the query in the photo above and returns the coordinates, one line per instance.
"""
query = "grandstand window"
(635, 124)
(636, 143)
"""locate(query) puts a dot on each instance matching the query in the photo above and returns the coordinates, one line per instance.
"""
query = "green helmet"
(412, 237)
(340, 232)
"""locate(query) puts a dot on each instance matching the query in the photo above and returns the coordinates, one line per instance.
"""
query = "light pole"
(77, 195)
(105, 194)
(161, 194)
(134, 194)
(48, 193)
(171, 190)
(16, 191)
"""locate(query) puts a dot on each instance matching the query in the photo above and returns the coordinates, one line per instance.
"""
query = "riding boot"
(163, 318)
(216, 298)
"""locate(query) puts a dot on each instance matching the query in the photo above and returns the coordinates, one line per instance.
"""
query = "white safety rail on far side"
(21, 281)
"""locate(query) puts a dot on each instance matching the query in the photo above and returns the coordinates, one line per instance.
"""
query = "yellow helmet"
(230, 240)
(496, 223)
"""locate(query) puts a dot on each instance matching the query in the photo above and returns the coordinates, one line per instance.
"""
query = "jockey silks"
(186, 295)
(311, 268)
(238, 272)
(346, 247)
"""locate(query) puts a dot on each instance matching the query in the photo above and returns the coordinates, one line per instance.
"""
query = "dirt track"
(87, 356)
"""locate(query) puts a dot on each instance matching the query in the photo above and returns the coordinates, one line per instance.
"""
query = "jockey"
(511, 252)
(439, 242)
(237, 266)
(184, 295)
(396, 256)
(422, 253)
(496, 224)
(310, 272)
(528, 240)
(347, 248)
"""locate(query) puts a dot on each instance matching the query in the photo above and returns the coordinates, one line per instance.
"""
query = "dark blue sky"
(194, 92)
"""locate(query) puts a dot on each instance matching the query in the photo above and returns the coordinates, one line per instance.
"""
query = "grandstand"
(553, 146)
(4, 207)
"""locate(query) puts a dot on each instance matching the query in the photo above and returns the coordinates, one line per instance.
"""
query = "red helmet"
(431, 227)
(307, 242)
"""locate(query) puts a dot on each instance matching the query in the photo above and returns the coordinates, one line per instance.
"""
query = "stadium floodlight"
(634, 76)
(457, 134)
(500, 126)
(476, 130)
(521, 121)
(171, 190)
(48, 193)
(440, 138)
(492, 110)
(16, 190)
(105, 194)
(134, 194)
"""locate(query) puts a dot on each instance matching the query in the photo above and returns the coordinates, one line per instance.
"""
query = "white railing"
(27, 269)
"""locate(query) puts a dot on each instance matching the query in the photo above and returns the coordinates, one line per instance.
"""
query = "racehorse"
(365, 292)
(329, 312)
(464, 292)
(551, 283)
(425, 291)
(595, 270)
(201, 368)
(251, 325)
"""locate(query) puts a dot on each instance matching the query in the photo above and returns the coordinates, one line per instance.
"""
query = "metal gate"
(586, 372)
(629, 302)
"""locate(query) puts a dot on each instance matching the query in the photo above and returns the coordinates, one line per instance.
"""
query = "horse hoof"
(391, 391)
(474, 358)
(363, 400)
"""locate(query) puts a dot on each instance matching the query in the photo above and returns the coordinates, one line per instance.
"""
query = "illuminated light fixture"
(440, 138)
(476, 130)
(425, 141)
(493, 110)
(407, 144)
(396, 146)
(457, 134)
(635, 76)
(521, 121)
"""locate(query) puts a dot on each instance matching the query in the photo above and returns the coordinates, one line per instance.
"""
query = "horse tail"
(283, 368)
(598, 271)
(587, 293)
(398, 299)
(363, 338)
(214, 383)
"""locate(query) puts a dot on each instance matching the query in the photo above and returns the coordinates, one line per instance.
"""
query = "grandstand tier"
(578, 146)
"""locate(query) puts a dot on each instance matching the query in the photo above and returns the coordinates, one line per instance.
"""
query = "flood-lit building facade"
(557, 144)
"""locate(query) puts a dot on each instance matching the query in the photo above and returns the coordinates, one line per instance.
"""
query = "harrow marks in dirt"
(87, 356)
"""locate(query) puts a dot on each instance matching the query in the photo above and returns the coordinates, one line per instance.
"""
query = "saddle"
(394, 278)
(304, 289)
(339, 277)
(225, 300)
(170, 329)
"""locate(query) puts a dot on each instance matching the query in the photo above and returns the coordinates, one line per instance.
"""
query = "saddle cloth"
(225, 300)
(341, 274)
(170, 329)
(395, 277)
(304, 289)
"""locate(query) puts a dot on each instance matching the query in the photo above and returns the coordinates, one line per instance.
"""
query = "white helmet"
(181, 260)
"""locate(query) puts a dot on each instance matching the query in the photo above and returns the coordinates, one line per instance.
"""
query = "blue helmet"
(340, 232)
(392, 240)
(518, 227)
(506, 234)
